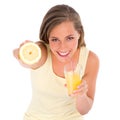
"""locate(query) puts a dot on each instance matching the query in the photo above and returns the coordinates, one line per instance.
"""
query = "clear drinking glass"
(73, 76)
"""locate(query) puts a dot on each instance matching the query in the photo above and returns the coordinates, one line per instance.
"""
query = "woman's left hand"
(82, 89)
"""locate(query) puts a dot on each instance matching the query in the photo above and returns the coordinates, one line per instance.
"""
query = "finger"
(84, 82)
(80, 92)
(65, 85)
(16, 53)
(81, 89)
(25, 42)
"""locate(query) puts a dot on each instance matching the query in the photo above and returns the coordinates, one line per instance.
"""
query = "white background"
(21, 19)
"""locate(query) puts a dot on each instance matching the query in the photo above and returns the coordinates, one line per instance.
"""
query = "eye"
(70, 38)
(54, 39)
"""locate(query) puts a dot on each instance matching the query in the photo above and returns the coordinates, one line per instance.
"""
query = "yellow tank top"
(50, 100)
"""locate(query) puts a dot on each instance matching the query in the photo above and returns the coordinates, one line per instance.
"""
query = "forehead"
(63, 28)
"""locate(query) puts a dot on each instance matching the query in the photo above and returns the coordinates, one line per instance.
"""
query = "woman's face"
(63, 41)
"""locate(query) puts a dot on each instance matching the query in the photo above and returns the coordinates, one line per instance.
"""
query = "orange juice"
(73, 81)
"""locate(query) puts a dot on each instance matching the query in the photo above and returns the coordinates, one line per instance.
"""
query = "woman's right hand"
(16, 55)
(39, 63)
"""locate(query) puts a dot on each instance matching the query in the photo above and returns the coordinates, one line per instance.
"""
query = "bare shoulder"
(93, 58)
(92, 63)
(91, 72)
(92, 66)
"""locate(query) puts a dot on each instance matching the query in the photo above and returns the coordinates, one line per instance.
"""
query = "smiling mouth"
(63, 54)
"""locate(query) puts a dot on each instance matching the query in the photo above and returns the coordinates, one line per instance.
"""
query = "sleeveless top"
(50, 99)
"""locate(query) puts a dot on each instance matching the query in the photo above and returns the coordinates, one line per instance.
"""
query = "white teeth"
(63, 53)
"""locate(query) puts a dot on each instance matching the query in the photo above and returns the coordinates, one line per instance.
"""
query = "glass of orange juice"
(72, 76)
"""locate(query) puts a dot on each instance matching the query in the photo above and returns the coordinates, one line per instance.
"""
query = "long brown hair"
(56, 15)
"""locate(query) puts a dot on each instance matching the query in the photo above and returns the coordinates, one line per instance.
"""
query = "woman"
(61, 41)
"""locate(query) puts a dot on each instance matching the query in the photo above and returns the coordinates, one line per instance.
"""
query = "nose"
(62, 45)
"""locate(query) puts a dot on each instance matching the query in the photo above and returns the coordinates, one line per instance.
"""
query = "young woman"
(61, 41)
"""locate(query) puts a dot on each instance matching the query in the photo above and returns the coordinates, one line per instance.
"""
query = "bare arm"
(86, 91)
(39, 63)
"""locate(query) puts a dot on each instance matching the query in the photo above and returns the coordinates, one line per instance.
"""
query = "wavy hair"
(56, 15)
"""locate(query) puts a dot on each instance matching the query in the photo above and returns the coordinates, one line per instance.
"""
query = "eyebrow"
(65, 37)
(70, 35)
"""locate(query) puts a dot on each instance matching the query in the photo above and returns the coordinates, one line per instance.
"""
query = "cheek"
(75, 44)
(53, 47)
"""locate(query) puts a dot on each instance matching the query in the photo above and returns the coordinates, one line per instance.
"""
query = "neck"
(58, 66)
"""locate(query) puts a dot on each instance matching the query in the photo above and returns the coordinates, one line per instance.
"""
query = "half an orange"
(30, 53)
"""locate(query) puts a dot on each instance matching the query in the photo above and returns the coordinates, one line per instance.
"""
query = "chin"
(63, 60)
